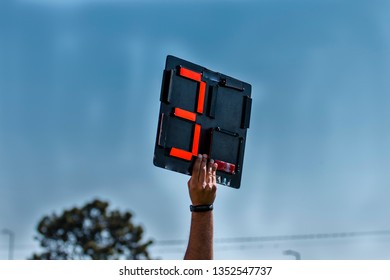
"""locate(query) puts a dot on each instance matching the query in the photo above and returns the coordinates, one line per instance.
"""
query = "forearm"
(202, 187)
(200, 244)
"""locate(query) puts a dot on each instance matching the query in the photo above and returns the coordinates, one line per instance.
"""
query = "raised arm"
(202, 188)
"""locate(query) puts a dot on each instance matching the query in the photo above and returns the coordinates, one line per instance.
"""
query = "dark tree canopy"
(91, 232)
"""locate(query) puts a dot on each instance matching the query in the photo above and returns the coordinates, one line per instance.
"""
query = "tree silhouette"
(91, 232)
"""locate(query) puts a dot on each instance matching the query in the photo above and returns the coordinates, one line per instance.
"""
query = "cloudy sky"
(79, 99)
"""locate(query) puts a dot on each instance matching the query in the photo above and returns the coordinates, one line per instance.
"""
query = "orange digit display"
(181, 113)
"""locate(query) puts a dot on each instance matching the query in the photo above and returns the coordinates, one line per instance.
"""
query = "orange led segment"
(190, 74)
(185, 114)
(195, 143)
(202, 92)
(179, 153)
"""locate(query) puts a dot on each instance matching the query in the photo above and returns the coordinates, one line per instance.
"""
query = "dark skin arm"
(202, 187)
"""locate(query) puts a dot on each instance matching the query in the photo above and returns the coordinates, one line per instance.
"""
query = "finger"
(196, 169)
(202, 173)
(214, 173)
(213, 189)
(210, 172)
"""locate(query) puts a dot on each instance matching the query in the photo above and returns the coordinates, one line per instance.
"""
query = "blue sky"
(79, 101)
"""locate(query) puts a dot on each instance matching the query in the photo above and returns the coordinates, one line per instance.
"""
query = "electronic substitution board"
(202, 112)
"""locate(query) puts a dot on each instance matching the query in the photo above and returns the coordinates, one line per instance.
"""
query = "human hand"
(202, 185)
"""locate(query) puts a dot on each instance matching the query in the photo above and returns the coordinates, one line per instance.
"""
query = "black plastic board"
(202, 112)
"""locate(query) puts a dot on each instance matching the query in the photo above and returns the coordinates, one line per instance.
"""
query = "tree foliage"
(91, 232)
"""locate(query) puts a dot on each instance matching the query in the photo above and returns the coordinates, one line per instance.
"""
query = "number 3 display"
(202, 112)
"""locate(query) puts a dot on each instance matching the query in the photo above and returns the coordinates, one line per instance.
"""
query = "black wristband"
(201, 208)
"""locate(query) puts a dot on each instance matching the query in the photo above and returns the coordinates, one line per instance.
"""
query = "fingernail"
(211, 161)
(199, 156)
(204, 156)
